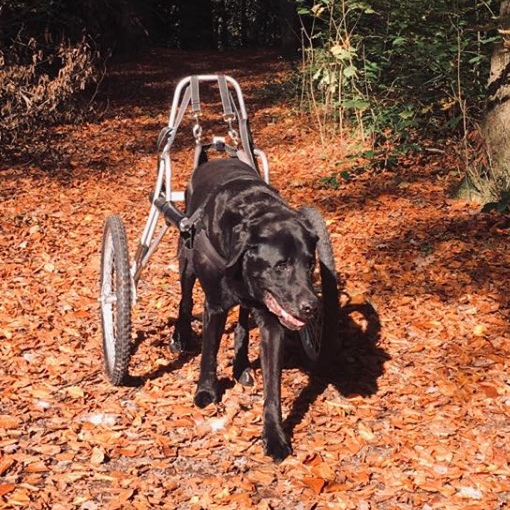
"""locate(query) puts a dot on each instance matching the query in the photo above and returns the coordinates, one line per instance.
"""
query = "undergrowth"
(394, 74)
(41, 84)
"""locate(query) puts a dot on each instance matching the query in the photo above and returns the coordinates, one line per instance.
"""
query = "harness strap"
(243, 156)
(228, 112)
(169, 132)
(195, 96)
(218, 145)
(202, 243)
(247, 154)
(193, 230)
(190, 223)
(183, 107)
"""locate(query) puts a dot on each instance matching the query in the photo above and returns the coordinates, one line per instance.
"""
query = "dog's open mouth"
(288, 320)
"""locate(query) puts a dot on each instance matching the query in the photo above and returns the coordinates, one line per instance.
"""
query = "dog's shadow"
(352, 366)
(159, 337)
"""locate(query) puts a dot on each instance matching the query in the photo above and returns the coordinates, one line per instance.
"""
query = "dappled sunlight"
(411, 411)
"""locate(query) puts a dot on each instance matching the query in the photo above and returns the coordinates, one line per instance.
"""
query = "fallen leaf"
(5, 464)
(9, 421)
(98, 456)
(316, 484)
(5, 488)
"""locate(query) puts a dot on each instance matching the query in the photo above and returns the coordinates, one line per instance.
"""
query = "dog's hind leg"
(207, 389)
(272, 335)
(182, 335)
(242, 371)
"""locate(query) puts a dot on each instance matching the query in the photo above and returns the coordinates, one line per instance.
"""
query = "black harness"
(193, 229)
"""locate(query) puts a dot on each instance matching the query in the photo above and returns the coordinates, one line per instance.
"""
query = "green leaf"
(340, 53)
(345, 175)
(476, 59)
(361, 6)
(357, 104)
(406, 114)
(350, 71)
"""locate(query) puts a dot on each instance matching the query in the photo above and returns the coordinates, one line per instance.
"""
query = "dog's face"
(277, 267)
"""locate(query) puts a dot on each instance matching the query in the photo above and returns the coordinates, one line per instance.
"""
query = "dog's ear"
(240, 243)
(307, 224)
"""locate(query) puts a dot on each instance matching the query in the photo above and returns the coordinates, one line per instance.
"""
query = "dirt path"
(417, 413)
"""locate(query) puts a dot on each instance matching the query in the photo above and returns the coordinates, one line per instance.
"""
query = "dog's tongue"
(288, 320)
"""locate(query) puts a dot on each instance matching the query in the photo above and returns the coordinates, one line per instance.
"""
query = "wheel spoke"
(108, 299)
(115, 300)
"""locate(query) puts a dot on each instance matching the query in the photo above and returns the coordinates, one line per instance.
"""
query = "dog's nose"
(308, 306)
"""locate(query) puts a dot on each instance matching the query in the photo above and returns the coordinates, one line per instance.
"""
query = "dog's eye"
(282, 266)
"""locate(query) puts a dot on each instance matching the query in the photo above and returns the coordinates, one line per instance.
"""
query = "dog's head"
(277, 257)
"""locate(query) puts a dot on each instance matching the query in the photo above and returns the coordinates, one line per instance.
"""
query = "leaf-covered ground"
(415, 413)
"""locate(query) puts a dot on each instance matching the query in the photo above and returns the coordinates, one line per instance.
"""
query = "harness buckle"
(232, 132)
(187, 230)
(197, 131)
(229, 117)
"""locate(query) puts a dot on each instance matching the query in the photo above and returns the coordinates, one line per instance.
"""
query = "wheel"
(115, 300)
(320, 334)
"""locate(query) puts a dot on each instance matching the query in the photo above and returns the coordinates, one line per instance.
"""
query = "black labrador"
(249, 248)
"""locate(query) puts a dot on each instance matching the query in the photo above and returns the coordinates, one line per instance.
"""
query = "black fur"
(268, 252)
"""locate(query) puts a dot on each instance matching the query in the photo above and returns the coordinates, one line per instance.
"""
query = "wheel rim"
(109, 301)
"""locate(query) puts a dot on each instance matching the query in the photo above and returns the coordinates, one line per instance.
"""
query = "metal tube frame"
(148, 244)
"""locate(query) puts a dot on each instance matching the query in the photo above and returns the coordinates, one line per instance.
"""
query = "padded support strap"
(246, 141)
(218, 145)
(169, 132)
(204, 246)
(242, 156)
(200, 156)
(183, 107)
(228, 112)
(195, 96)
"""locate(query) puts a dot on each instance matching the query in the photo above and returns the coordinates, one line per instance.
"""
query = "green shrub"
(390, 68)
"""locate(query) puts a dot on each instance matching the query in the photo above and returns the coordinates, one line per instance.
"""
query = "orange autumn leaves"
(415, 414)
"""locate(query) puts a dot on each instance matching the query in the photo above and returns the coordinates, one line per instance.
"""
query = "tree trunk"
(222, 19)
(244, 25)
(288, 28)
(496, 125)
(197, 32)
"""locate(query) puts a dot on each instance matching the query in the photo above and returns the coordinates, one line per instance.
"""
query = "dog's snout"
(308, 306)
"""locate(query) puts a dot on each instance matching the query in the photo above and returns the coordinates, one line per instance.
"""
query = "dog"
(250, 248)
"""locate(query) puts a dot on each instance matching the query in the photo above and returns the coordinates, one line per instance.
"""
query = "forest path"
(417, 414)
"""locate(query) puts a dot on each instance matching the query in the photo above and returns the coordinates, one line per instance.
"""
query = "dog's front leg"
(181, 338)
(276, 443)
(242, 372)
(214, 324)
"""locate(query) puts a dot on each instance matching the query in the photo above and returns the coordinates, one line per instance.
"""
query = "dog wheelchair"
(119, 278)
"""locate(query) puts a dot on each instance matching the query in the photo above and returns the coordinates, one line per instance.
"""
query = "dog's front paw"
(204, 397)
(246, 378)
(276, 447)
(176, 346)
(180, 341)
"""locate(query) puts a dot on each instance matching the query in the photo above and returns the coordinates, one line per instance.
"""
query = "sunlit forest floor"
(415, 412)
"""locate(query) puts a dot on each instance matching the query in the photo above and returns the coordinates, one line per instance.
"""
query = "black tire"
(320, 336)
(115, 300)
